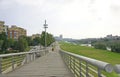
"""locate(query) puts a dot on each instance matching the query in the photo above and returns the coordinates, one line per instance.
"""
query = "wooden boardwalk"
(50, 65)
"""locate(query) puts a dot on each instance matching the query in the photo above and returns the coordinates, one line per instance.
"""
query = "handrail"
(16, 59)
(117, 68)
(74, 62)
(100, 64)
(20, 53)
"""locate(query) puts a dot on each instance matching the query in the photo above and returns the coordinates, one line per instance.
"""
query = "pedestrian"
(52, 49)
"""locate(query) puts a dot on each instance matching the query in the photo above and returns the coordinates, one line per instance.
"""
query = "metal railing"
(82, 66)
(8, 62)
(117, 68)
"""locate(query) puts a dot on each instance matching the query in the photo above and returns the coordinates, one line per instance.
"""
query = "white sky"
(71, 18)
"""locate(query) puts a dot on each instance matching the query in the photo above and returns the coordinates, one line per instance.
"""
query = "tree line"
(102, 43)
(113, 45)
(8, 45)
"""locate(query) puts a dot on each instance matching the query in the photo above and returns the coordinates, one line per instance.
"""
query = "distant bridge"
(48, 63)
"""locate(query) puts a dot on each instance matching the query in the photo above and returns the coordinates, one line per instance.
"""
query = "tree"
(115, 47)
(49, 38)
(36, 41)
(11, 43)
(3, 36)
(5, 45)
(1, 43)
(29, 41)
(100, 45)
(42, 39)
(22, 44)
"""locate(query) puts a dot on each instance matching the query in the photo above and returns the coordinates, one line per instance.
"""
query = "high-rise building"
(15, 32)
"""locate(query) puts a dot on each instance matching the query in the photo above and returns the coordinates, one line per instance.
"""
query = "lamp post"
(45, 26)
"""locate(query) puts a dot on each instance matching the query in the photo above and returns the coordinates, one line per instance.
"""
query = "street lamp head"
(45, 25)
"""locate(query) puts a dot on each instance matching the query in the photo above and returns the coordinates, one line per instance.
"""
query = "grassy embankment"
(103, 55)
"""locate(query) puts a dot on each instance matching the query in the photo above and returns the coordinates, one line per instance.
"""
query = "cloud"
(72, 18)
(5, 4)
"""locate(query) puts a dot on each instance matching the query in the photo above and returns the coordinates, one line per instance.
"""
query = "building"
(15, 32)
(35, 35)
(61, 36)
(3, 28)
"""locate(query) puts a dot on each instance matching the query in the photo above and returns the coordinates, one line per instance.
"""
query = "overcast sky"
(71, 18)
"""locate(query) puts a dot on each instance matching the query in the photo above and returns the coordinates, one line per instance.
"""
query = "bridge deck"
(50, 65)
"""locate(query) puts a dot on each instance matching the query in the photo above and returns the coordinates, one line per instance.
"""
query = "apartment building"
(35, 35)
(15, 32)
(3, 28)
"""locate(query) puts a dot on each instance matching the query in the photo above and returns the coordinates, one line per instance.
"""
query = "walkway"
(50, 65)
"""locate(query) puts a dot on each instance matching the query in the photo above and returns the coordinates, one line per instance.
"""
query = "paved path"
(50, 65)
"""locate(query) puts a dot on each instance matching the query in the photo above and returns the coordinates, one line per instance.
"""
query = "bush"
(115, 47)
(100, 46)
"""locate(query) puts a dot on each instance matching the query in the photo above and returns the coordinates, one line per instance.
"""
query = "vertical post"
(34, 56)
(74, 65)
(66, 58)
(0, 65)
(69, 61)
(87, 75)
(27, 58)
(21, 57)
(13, 63)
(80, 68)
(30, 56)
(45, 26)
(99, 73)
(45, 33)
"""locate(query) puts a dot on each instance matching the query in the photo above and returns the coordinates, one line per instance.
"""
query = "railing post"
(67, 60)
(13, 63)
(0, 65)
(27, 57)
(74, 65)
(87, 75)
(30, 57)
(99, 72)
(80, 68)
(34, 56)
(70, 62)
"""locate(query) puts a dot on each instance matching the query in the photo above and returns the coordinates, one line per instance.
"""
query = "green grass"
(103, 55)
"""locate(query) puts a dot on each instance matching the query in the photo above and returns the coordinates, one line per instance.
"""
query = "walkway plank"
(50, 65)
